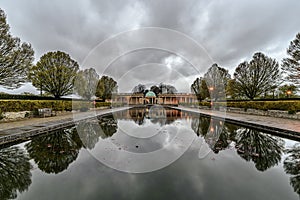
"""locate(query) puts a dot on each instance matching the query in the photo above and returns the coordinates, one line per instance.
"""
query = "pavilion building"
(151, 98)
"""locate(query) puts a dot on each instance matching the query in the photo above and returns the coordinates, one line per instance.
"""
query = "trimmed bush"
(204, 103)
(266, 105)
(55, 105)
(31, 105)
(1, 115)
(292, 106)
(103, 104)
(29, 97)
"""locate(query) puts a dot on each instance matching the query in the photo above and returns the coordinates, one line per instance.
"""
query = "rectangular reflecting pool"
(152, 153)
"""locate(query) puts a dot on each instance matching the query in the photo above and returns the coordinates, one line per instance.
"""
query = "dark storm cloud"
(231, 31)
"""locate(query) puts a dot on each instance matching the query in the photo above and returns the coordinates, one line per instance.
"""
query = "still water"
(152, 154)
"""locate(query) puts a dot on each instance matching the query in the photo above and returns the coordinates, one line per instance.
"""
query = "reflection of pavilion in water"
(151, 98)
(155, 114)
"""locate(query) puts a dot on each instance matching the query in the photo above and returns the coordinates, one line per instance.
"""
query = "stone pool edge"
(27, 134)
(289, 134)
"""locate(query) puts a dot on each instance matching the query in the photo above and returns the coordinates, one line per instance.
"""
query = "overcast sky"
(227, 32)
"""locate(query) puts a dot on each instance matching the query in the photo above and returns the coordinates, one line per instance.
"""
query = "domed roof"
(150, 94)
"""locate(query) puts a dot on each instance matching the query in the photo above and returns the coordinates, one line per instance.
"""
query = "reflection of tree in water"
(137, 115)
(213, 131)
(226, 137)
(55, 151)
(108, 125)
(200, 125)
(222, 142)
(89, 131)
(15, 172)
(264, 150)
(292, 166)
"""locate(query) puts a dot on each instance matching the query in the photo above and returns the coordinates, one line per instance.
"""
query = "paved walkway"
(69, 116)
(279, 125)
(32, 121)
(18, 130)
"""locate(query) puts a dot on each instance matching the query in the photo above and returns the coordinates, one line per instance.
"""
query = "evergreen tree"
(106, 87)
(199, 88)
(291, 65)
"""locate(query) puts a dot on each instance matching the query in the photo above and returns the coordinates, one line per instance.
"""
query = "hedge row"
(259, 105)
(29, 97)
(35, 97)
(56, 105)
(267, 105)
(278, 99)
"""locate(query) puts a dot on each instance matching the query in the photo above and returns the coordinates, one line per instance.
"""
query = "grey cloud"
(235, 30)
(230, 31)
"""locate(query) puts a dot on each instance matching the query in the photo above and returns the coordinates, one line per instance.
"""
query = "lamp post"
(211, 89)
(289, 92)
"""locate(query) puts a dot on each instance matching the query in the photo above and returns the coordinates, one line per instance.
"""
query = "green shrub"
(55, 105)
(266, 105)
(35, 112)
(27, 115)
(291, 112)
(103, 104)
(29, 97)
(81, 105)
(204, 103)
(1, 115)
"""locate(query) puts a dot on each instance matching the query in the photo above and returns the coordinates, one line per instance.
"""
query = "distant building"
(151, 98)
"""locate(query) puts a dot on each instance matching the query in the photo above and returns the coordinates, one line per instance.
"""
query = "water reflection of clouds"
(214, 134)
(132, 154)
(149, 137)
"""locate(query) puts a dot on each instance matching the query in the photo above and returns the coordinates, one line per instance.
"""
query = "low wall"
(270, 113)
(14, 116)
(11, 116)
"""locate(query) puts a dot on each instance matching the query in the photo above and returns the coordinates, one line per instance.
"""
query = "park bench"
(45, 112)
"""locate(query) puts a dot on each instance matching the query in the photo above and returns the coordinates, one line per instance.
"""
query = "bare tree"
(15, 57)
(86, 83)
(216, 79)
(54, 73)
(258, 76)
(168, 89)
(140, 88)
